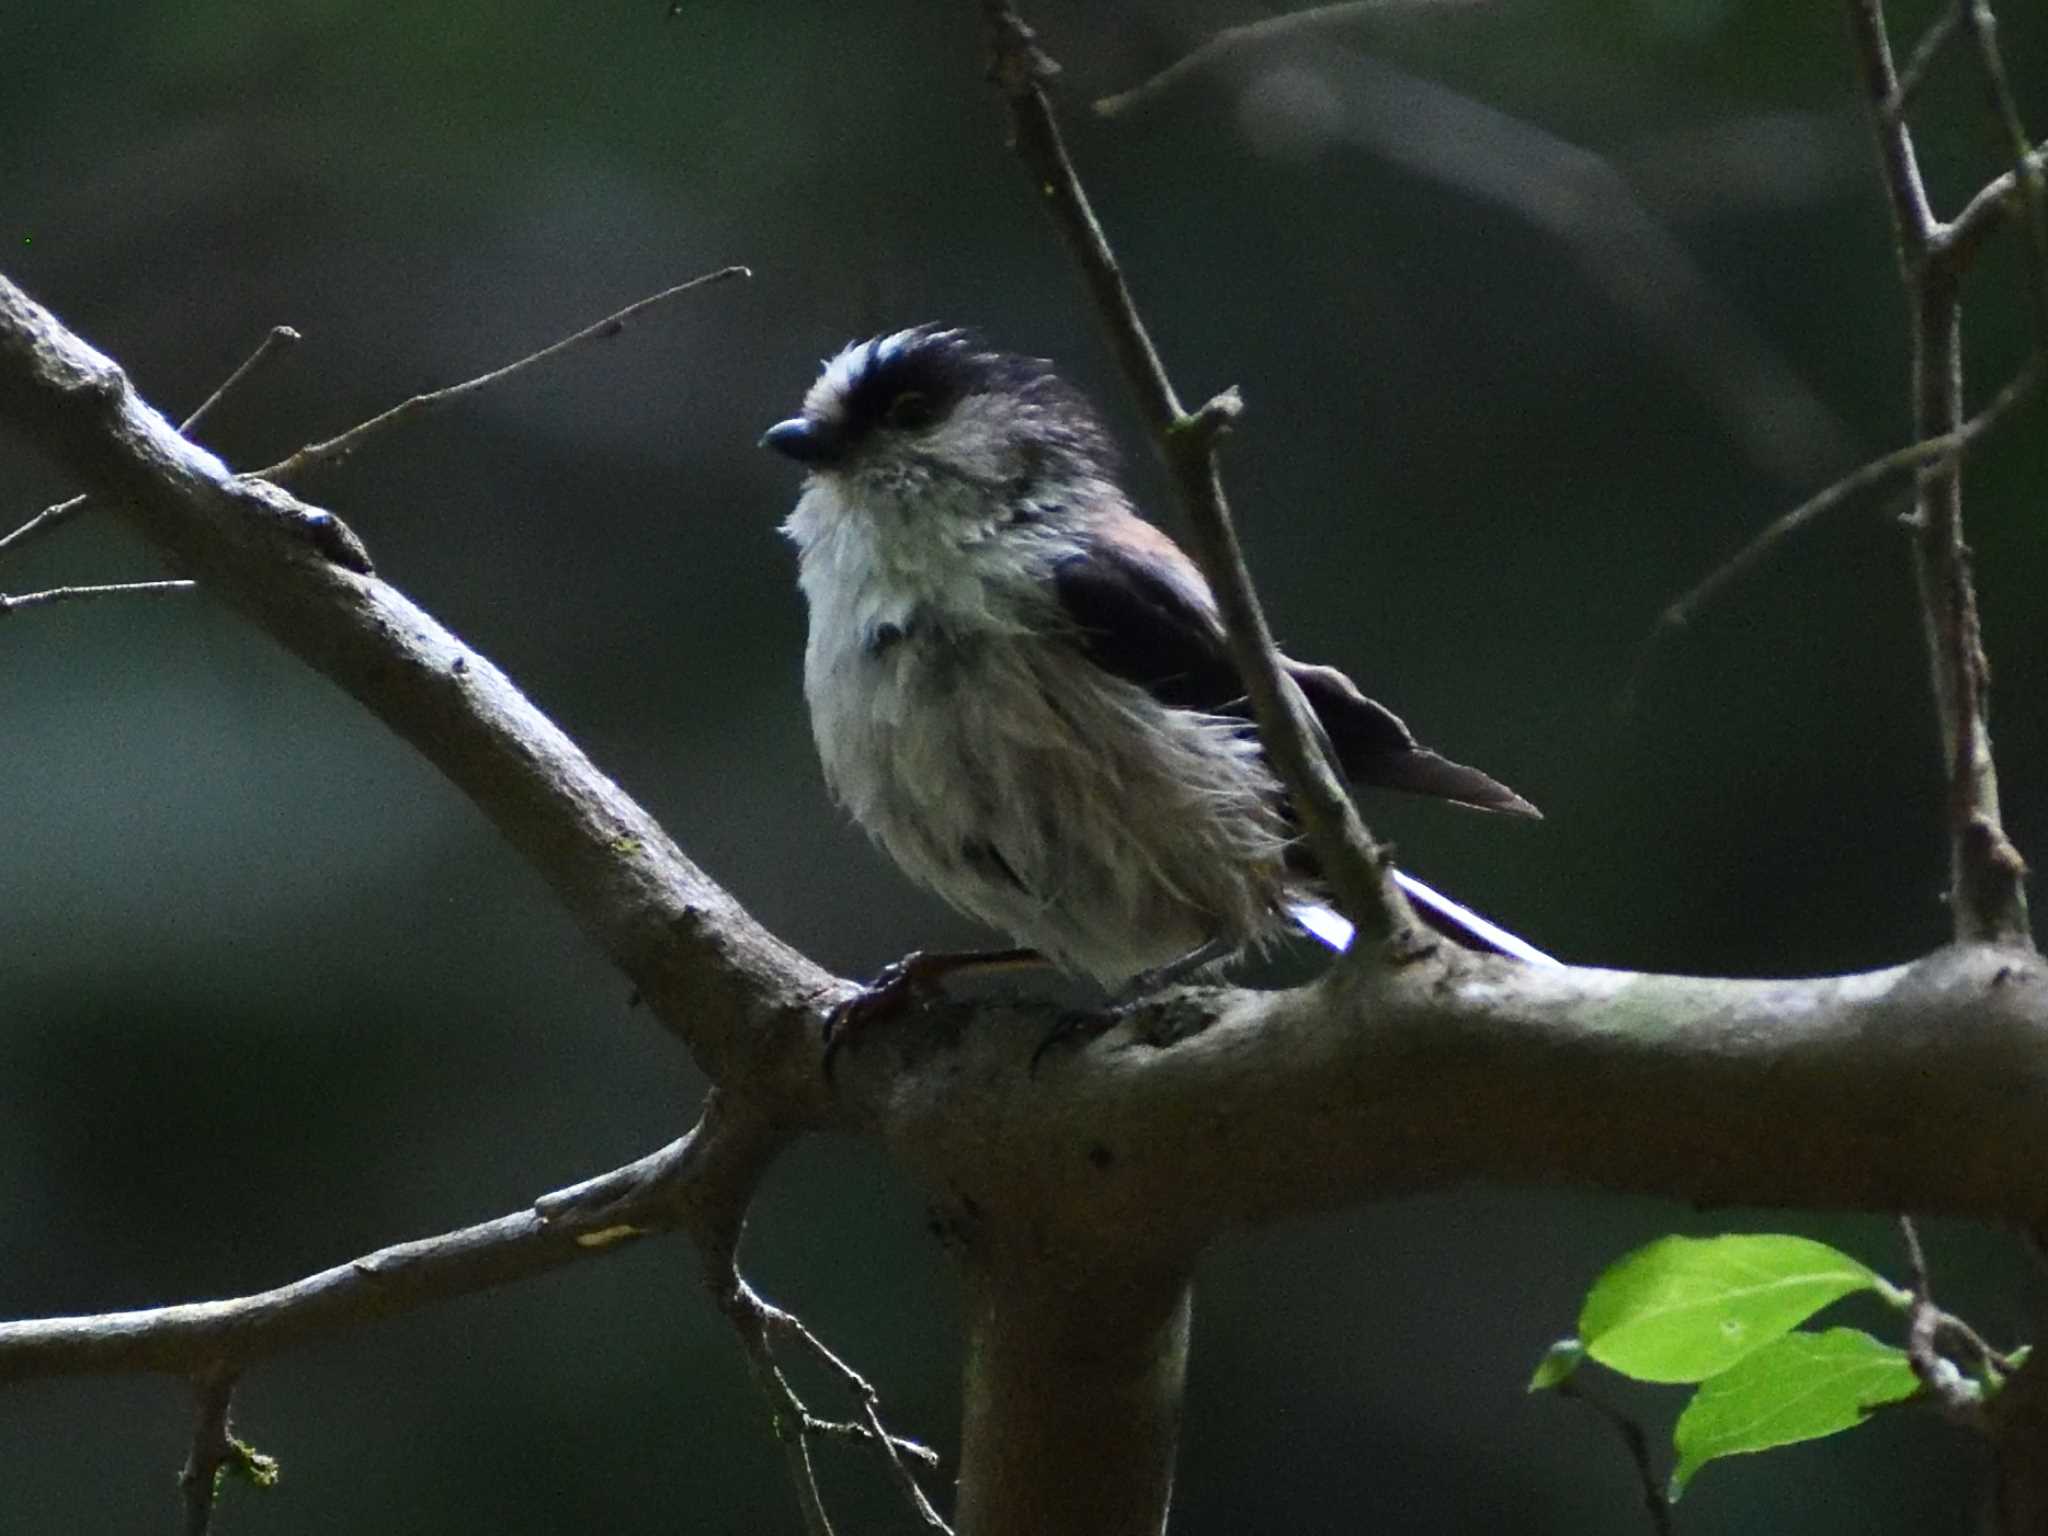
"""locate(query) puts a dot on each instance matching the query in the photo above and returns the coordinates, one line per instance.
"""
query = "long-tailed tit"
(1023, 692)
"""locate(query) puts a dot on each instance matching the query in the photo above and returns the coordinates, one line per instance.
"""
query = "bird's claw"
(1076, 1028)
(896, 986)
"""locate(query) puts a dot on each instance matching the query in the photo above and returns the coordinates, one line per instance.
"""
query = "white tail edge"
(1332, 928)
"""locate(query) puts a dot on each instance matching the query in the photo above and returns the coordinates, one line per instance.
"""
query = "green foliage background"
(272, 995)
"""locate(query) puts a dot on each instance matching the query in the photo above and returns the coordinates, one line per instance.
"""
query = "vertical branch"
(1351, 861)
(212, 1391)
(1985, 871)
(1072, 1402)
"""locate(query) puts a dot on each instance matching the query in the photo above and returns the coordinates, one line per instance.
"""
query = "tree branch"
(1914, 75)
(1986, 874)
(1987, 213)
(199, 1478)
(1682, 611)
(1656, 1503)
(744, 1002)
(1921, 1087)
(1940, 1382)
(332, 449)
(757, 1321)
(695, 1184)
(49, 595)
(272, 346)
(1351, 861)
(2026, 172)
(1924, 1086)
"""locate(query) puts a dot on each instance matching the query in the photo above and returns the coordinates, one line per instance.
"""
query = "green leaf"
(1685, 1308)
(1558, 1362)
(1800, 1386)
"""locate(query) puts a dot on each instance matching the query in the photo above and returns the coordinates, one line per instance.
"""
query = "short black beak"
(802, 439)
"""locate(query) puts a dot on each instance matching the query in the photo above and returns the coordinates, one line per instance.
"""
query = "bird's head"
(927, 423)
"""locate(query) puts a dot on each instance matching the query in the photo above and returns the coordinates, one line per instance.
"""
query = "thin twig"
(1987, 893)
(325, 452)
(2027, 173)
(688, 1184)
(1655, 1500)
(789, 1418)
(11, 605)
(199, 1478)
(757, 1322)
(1255, 34)
(50, 517)
(44, 521)
(869, 1401)
(272, 346)
(1913, 221)
(1985, 214)
(1938, 32)
(1351, 862)
(1944, 1385)
(1681, 613)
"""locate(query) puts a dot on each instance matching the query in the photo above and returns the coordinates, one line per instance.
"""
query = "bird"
(1021, 689)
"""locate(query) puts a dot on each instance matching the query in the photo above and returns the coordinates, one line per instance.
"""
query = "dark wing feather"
(1374, 747)
(1142, 614)
(1137, 621)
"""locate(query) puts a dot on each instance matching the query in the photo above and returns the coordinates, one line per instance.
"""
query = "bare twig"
(1655, 1501)
(894, 1447)
(330, 449)
(789, 1417)
(1986, 213)
(2026, 171)
(757, 1322)
(45, 521)
(694, 1180)
(1932, 41)
(272, 346)
(11, 605)
(1946, 1387)
(741, 999)
(199, 1478)
(1681, 613)
(1351, 861)
(1255, 34)
(1913, 221)
(1987, 894)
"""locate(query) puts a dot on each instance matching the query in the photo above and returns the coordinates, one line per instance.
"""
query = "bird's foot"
(909, 983)
(1076, 1028)
(1179, 969)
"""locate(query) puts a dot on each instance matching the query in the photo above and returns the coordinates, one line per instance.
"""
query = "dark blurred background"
(1540, 309)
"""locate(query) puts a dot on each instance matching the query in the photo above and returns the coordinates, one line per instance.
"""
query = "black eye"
(911, 411)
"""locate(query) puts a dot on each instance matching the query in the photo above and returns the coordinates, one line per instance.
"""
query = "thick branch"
(1072, 1399)
(708, 971)
(1923, 1087)
(271, 347)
